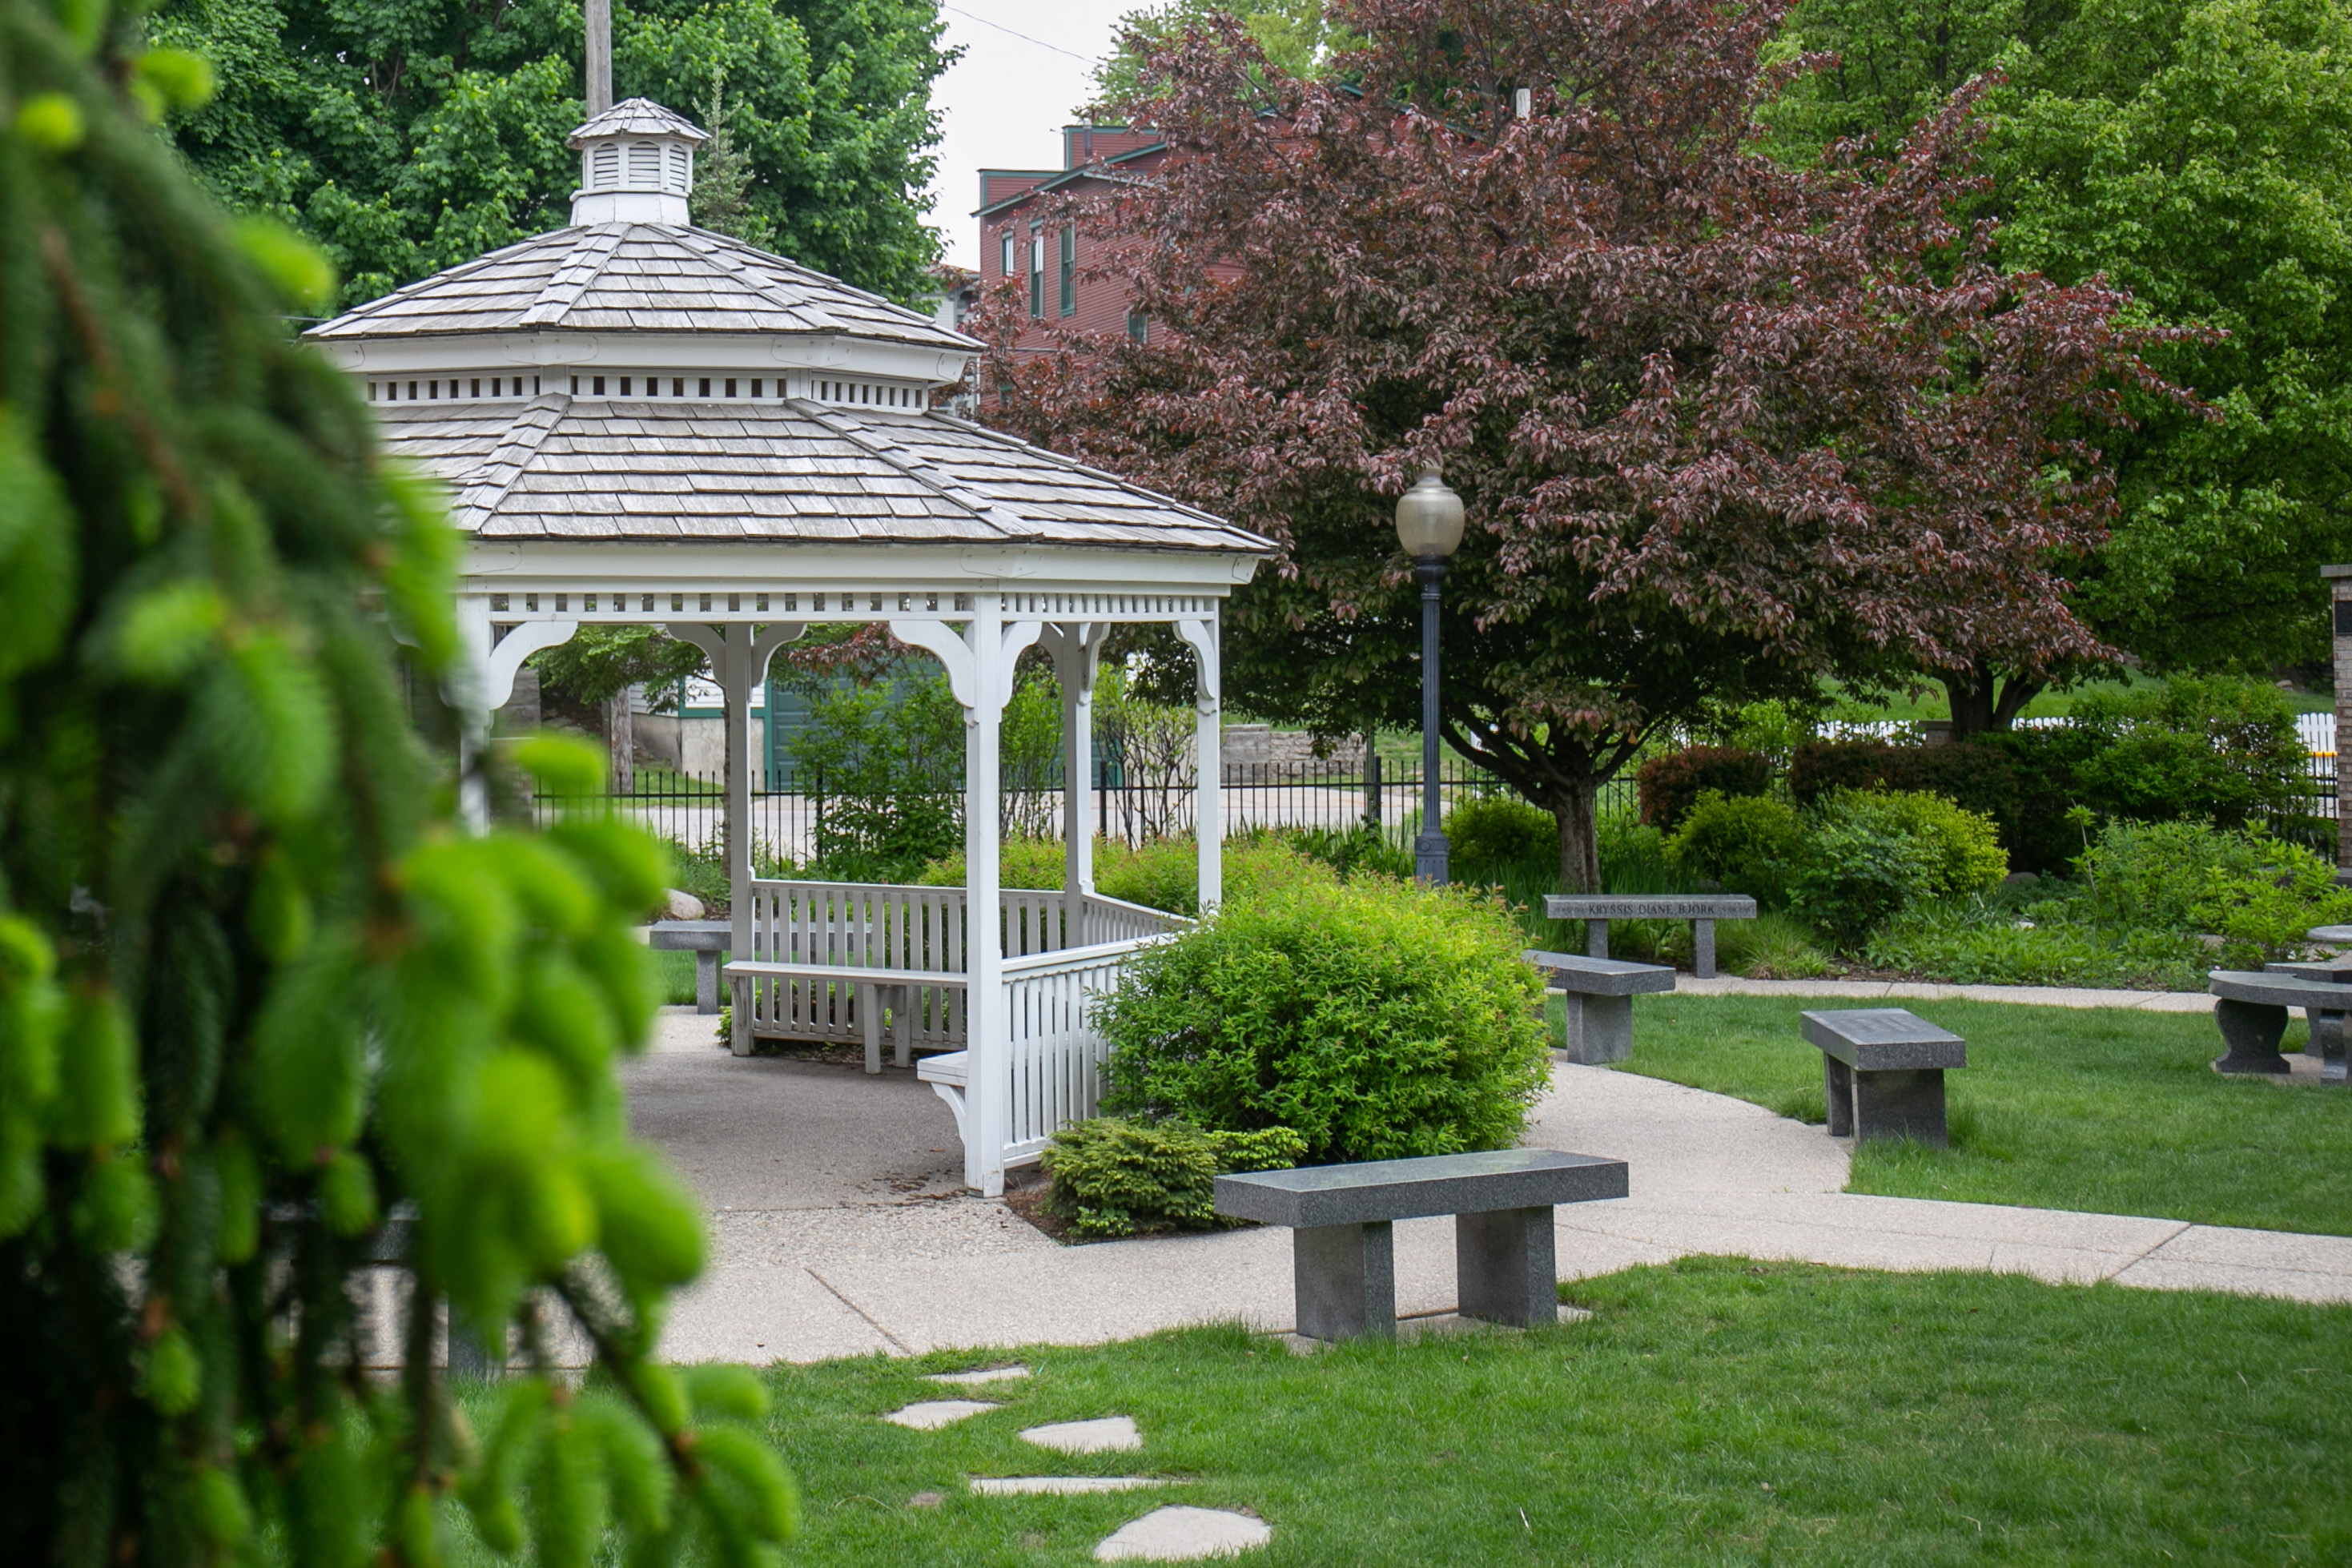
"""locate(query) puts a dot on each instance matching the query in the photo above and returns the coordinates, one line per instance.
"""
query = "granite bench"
(1702, 910)
(1599, 1026)
(704, 939)
(1343, 1255)
(1882, 1072)
(2252, 1011)
(2327, 1041)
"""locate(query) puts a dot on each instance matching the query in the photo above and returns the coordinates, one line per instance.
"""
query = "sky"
(1004, 104)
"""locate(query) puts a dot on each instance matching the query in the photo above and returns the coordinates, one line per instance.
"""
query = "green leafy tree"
(2200, 155)
(600, 664)
(723, 177)
(2197, 153)
(407, 138)
(267, 1019)
(1294, 36)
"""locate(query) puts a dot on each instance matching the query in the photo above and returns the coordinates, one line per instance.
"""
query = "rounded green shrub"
(1496, 830)
(1749, 844)
(1377, 1020)
(1116, 1177)
(1871, 854)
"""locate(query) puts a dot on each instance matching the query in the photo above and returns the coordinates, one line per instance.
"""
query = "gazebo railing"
(878, 925)
(1056, 1054)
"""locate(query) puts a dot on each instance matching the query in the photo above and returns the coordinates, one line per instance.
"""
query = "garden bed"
(2109, 1110)
(1713, 1410)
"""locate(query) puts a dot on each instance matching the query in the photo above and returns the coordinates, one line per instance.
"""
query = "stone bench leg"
(1596, 939)
(1837, 1088)
(2253, 1031)
(1597, 1029)
(2326, 1043)
(1504, 1271)
(706, 983)
(1902, 1103)
(1345, 1276)
(1703, 948)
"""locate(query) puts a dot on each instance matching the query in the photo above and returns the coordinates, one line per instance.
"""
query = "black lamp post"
(1429, 526)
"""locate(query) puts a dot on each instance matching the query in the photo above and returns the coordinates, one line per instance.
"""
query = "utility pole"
(600, 56)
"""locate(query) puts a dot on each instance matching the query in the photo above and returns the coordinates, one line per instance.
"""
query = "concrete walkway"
(838, 1227)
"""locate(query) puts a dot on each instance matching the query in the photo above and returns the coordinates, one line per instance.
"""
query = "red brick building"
(1019, 238)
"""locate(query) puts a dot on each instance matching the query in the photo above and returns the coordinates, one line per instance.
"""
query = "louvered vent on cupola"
(636, 165)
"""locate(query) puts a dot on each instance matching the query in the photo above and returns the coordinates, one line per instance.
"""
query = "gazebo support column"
(980, 673)
(1208, 751)
(738, 654)
(1077, 656)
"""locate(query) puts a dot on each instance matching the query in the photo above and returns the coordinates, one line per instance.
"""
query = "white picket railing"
(881, 925)
(1056, 1054)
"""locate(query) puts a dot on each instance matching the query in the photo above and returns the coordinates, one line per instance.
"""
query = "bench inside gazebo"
(646, 422)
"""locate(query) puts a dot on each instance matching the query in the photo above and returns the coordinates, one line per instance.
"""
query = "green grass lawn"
(1931, 703)
(1712, 1412)
(676, 972)
(2103, 1109)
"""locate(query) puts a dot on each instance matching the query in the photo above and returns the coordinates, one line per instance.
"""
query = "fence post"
(1371, 784)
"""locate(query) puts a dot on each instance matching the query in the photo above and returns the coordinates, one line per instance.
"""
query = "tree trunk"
(1574, 810)
(621, 737)
(1983, 702)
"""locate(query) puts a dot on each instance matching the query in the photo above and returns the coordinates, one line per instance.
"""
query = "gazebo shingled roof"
(791, 471)
(647, 422)
(637, 117)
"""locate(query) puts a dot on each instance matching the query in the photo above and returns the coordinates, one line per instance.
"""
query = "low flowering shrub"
(1118, 1177)
(1375, 1018)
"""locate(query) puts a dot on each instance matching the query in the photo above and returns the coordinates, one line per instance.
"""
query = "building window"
(1069, 269)
(1008, 254)
(1139, 326)
(1038, 273)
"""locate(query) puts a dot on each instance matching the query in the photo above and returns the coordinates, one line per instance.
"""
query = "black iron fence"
(1128, 804)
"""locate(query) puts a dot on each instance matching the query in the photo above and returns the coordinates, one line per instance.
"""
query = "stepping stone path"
(933, 1414)
(1182, 1534)
(1163, 1535)
(986, 1374)
(1110, 1435)
(1059, 1486)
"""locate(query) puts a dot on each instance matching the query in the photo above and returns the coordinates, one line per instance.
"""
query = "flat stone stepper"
(1882, 1072)
(1343, 1247)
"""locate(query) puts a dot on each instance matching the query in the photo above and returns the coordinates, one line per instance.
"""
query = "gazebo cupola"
(636, 165)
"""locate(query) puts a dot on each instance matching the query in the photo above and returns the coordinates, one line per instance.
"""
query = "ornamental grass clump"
(1376, 1019)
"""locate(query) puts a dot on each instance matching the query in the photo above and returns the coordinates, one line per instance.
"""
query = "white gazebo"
(646, 422)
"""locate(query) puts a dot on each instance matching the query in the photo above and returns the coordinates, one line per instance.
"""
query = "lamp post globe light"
(1429, 526)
